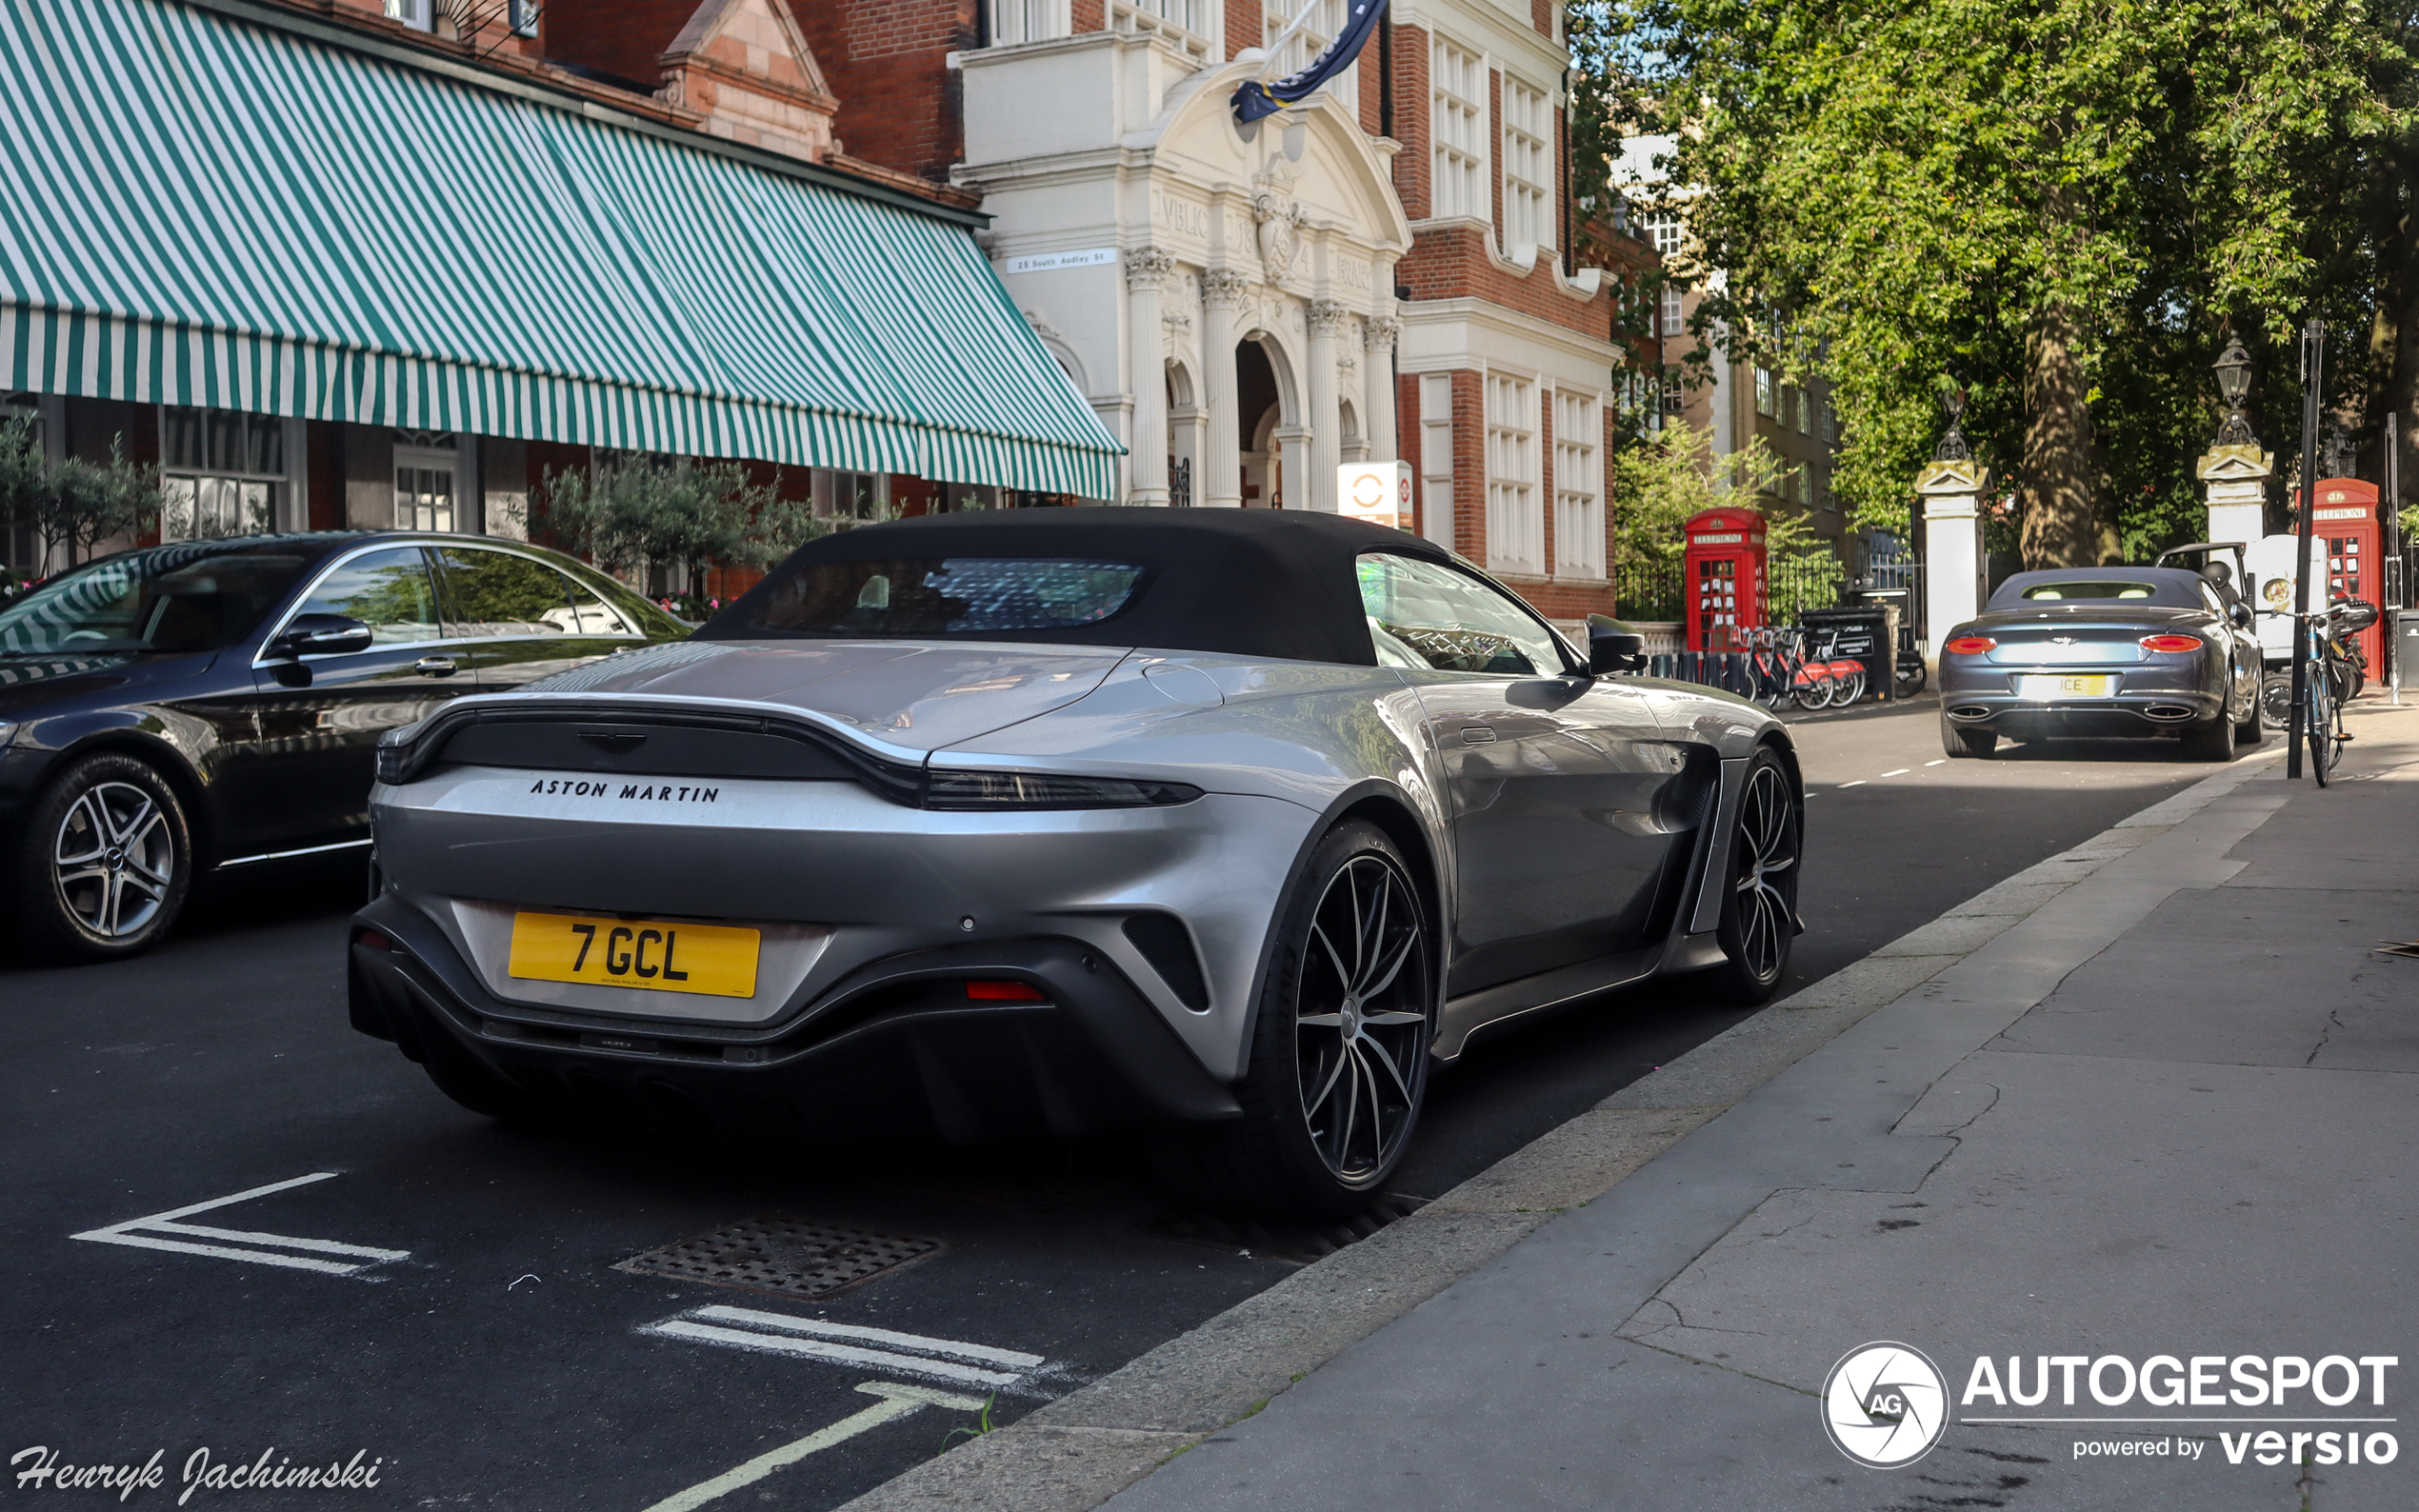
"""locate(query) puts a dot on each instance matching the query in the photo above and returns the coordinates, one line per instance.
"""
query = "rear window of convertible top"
(945, 596)
(2052, 592)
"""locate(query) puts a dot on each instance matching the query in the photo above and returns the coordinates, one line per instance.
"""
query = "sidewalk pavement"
(2167, 1109)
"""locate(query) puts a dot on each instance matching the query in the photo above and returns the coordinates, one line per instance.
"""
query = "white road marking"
(946, 1360)
(917, 1342)
(1858, 783)
(1901, 772)
(151, 1227)
(896, 1401)
(1942, 761)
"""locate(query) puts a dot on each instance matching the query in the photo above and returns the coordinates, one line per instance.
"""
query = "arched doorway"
(1258, 412)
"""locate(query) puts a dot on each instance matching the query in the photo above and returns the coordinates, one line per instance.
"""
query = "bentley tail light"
(1969, 646)
(2170, 643)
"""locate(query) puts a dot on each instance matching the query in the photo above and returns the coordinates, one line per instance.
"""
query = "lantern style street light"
(2234, 381)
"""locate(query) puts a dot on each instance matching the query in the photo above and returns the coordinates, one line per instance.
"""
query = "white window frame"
(1458, 177)
(1764, 391)
(420, 15)
(1515, 520)
(1436, 457)
(1193, 27)
(426, 457)
(1015, 21)
(838, 502)
(1662, 230)
(1579, 523)
(1529, 157)
(1327, 18)
(1675, 312)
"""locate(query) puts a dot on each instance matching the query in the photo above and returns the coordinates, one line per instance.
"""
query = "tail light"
(2170, 643)
(1969, 646)
(980, 991)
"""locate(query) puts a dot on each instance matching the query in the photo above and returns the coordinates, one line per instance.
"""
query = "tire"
(1760, 860)
(127, 861)
(1912, 675)
(1333, 1091)
(1815, 693)
(1851, 689)
(2323, 748)
(2276, 700)
(2212, 741)
(1963, 743)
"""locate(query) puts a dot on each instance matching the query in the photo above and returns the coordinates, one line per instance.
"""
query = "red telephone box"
(1722, 577)
(2344, 529)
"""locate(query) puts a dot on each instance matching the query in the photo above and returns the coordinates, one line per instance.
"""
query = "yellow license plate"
(2065, 687)
(660, 956)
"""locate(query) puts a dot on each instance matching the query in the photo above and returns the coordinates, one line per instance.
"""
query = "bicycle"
(2328, 676)
(1772, 668)
(1830, 678)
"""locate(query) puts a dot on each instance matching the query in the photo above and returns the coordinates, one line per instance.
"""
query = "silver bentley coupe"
(1221, 826)
(2104, 651)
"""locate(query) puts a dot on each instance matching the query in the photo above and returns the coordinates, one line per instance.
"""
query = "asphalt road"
(500, 1361)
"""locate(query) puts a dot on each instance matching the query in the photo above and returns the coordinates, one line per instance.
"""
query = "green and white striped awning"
(202, 207)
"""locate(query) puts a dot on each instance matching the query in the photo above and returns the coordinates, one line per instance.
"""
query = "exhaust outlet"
(2169, 711)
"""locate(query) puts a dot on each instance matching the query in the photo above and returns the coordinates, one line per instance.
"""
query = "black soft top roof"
(2171, 588)
(1260, 582)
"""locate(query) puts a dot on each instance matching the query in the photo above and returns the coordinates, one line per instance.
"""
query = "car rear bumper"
(894, 1051)
(2147, 712)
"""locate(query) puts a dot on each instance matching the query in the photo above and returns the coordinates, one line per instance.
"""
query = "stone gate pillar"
(2237, 477)
(1954, 564)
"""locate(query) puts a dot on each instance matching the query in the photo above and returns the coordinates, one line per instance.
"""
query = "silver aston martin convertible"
(1222, 825)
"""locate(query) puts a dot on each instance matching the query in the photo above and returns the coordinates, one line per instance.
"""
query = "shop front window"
(843, 499)
(427, 465)
(223, 474)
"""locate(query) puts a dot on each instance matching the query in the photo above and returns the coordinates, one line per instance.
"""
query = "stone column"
(1223, 293)
(1954, 564)
(1147, 269)
(1377, 375)
(1327, 320)
(2237, 477)
(1290, 448)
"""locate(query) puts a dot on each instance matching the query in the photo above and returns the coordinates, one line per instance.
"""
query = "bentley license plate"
(714, 959)
(2065, 687)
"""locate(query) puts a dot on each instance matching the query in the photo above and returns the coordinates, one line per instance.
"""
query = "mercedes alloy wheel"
(106, 862)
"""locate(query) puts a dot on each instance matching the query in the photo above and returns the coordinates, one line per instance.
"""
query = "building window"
(1457, 128)
(1805, 412)
(413, 14)
(1676, 315)
(427, 463)
(1675, 398)
(1185, 23)
(1326, 19)
(843, 499)
(1763, 391)
(1515, 526)
(1579, 527)
(1528, 149)
(222, 473)
(1025, 20)
(1662, 229)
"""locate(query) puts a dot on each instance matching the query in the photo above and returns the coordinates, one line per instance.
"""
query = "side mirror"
(316, 635)
(2241, 615)
(2358, 614)
(1613, 647)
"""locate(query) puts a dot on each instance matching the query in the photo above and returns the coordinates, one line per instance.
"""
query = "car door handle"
(1477, 734)
(435, 666)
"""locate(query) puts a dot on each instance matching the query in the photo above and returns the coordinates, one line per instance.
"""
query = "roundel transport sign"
(1885, 1404)
(1379, 492)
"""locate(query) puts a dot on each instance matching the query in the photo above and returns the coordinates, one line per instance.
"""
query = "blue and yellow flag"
(1255, 100)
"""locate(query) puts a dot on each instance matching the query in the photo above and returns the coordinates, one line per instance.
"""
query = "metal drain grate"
(1302, 1242)
(785, 1256)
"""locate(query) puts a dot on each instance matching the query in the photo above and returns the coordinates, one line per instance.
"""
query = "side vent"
(1163, 942)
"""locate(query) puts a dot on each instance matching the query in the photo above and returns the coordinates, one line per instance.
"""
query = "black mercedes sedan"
(191, 708)
(2101, 651)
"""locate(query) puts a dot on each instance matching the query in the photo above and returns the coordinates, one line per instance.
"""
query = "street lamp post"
(2234, 471)
(2234, 382)
(2313, 380)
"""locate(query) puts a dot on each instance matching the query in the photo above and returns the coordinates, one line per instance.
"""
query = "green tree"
(72, 503)
(655, 511)
(1666, 477)
(2067, 205)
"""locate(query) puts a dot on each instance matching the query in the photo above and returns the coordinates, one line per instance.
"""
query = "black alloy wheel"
(2276, 700)
(1339, 1052)
(106, 862)
(1759, 903)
